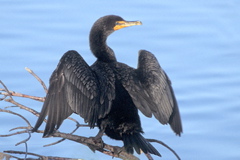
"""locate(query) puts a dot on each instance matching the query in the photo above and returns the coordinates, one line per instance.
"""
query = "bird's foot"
(95, 140)
(95, 143)
(117, 150)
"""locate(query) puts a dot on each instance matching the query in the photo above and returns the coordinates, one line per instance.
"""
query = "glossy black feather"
(74, 87)
(109, 93)
(138, 142)
(158, 91)
(151, 90)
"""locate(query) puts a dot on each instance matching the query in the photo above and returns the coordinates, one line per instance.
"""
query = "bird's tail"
(138, 142)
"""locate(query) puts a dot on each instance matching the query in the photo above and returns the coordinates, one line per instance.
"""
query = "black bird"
(109, 93)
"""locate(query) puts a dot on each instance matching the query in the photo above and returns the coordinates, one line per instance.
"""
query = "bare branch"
(16, 94)
(19, 128)
(39, 79)
(17, 104)
(107, 149)
(24, 141)
(6, 89)
(22, 106)
(29, 125)
(12, 134)
(110, 150)
(33, 154)
(77, 126)
(165, 145)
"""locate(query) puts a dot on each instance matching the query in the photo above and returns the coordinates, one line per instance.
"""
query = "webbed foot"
(117, 150)
(96, 142)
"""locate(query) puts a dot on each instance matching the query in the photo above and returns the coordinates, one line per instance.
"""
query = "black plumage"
(109, 93)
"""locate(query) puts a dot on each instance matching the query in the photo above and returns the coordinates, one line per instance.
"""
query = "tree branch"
(165, 145)
(99, 146)
(32, 154)
(39, 79)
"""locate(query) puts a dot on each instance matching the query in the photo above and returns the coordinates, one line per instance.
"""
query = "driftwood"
(88, 141)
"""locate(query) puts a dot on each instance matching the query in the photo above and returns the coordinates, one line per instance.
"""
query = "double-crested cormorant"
(109, 93)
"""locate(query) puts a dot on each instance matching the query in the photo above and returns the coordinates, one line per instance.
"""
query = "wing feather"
(74, 88)
(151, 90)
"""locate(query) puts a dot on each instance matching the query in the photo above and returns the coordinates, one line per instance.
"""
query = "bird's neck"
(100, 48)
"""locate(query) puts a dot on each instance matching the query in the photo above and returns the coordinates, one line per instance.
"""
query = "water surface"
(196, 42)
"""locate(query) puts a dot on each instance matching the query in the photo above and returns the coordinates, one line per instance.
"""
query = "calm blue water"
(196, 42)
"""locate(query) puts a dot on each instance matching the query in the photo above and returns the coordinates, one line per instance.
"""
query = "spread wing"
(151, 90)
(74, 88)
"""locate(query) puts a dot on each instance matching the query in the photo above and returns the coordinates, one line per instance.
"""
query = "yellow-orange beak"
(123, 24)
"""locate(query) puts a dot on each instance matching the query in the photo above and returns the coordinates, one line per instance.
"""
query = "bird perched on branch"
(109, 93)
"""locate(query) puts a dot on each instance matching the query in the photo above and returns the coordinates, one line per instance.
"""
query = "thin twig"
(14, 102)
(12, 134)
(77, 126)
(11, 112)
(37, 155)
(39, 79)
(18, 128)
(16, 94)
(24, 141)
(165, 145)
(20, 152)
(6, 89)
(23, 107)
(29, 126)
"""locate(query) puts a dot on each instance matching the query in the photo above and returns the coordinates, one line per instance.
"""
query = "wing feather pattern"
(74, 88)
(151, 90)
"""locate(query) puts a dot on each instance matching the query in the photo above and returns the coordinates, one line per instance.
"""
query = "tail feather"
(128, 144)
(138, 142)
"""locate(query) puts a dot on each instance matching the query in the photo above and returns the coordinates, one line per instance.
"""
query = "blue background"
(196, 42)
